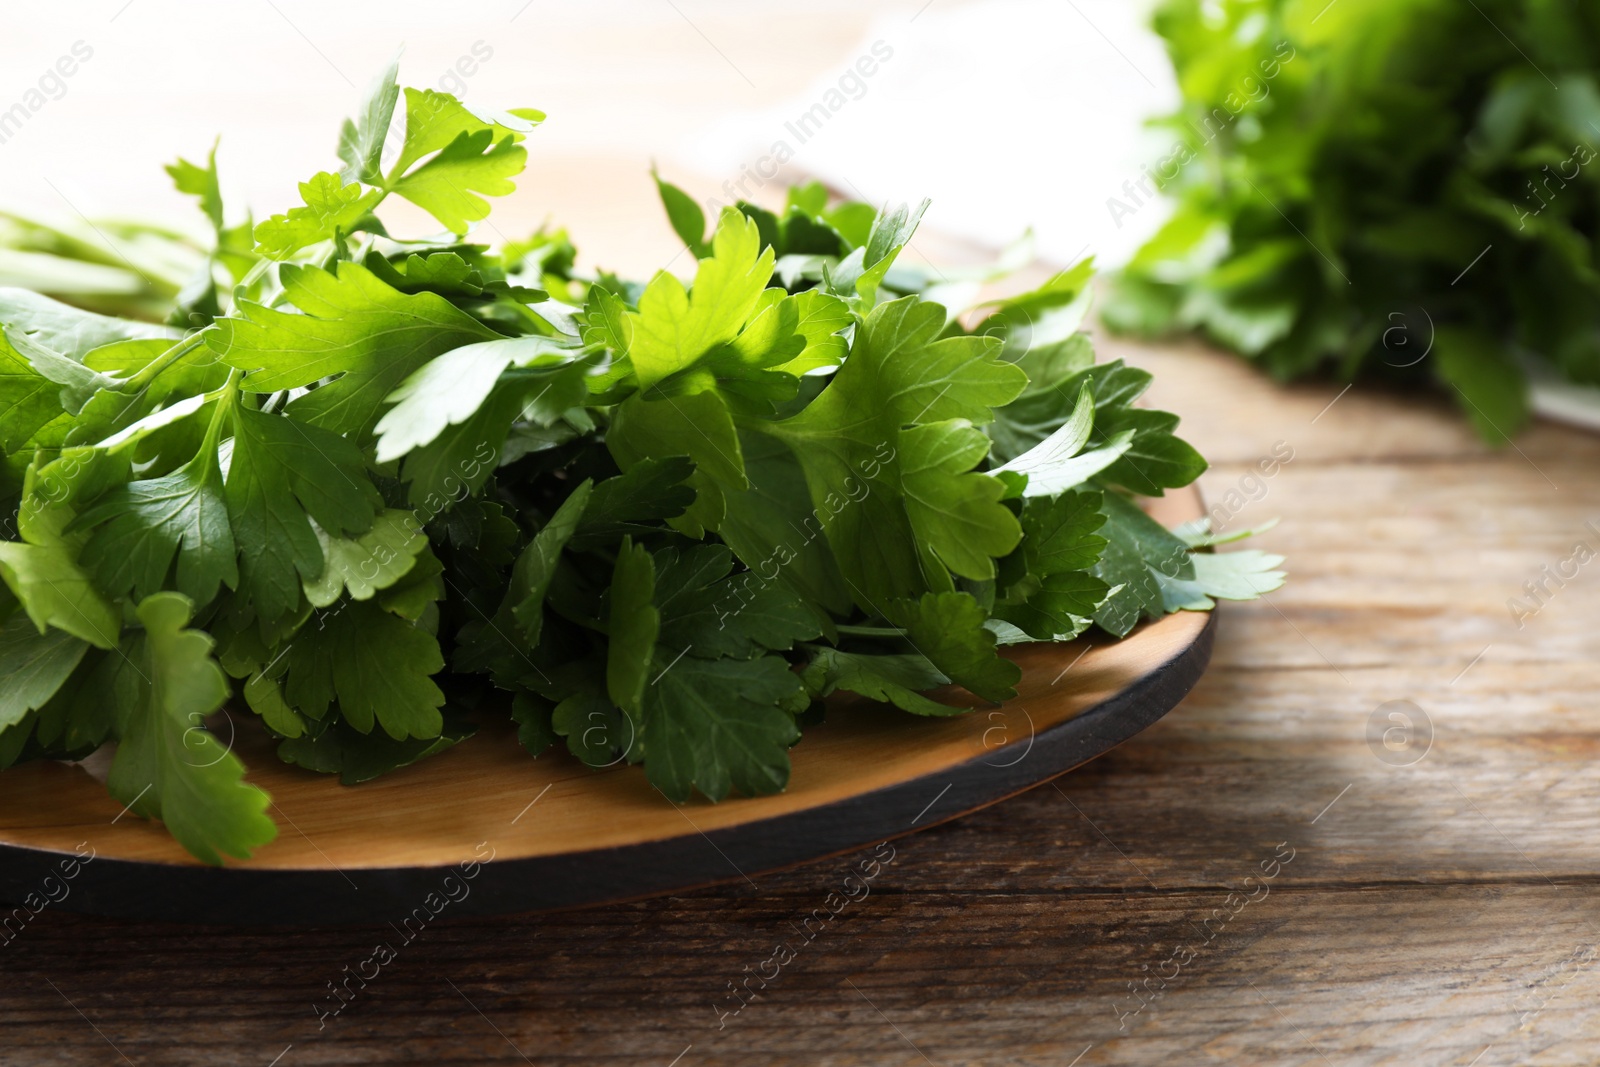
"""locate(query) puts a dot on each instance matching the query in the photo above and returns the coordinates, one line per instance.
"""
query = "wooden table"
(1436, 910)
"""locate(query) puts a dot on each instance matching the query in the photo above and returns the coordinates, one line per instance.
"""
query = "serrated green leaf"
(740, 616)
(718, 725)
(536, 567)
(283, 475)
(141, 527)
(774, 529)
(534, 729)
(820, 318)
(1227, 576)
(55, 591)
(597, 731)
(200, 182)
(675, 327)
(84, 712)
(376, 665)
(1059, 533)
(264, 695)
(421, 588)
(1155, 459)
(167, 765)
(448, 390)
(434, 120)
(1057, 607)
(1139, 551)
(892, 679)
(1135, 593)
(954, 510)
(852, 444)
(948, 629)
(648, 492)
(449, 185)
(499, 643)
(28, 400)
(361, 139)
(330, 209)
(363, 565)
(699, 425)
(63, 328)
(354, 327)
(34, 665)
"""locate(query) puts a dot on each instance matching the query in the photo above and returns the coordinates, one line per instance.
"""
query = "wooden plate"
(484, 829)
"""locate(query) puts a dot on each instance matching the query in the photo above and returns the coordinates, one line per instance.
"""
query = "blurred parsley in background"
(1405, 189)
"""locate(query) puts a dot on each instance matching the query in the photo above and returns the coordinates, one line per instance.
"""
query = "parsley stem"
(148, 373)
(872, 631)
(252, 276)
(228, 394)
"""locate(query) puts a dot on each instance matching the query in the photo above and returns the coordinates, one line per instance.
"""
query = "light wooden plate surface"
(551, 833)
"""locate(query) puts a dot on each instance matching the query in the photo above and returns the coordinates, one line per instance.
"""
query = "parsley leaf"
(331, 209)
(357, 757)
(361, 139)
(700, 426)
(1059, 532)
(894, 679)
(140, 527)
(1139, 553)
(688, 221)
(740, 616)
(450, 389)
(168, 766)
(675, 328)
(448, 185)
(651, 490)
(363, 565)
(1227, 576)
(948, 629)
(596, 730)
(55, 591)
(283, 476)
(722, 724)
(899, 373)
(634, 623)
(494, 643)
(28, 400)
(375, 664)
(34, 664)
(355, 328)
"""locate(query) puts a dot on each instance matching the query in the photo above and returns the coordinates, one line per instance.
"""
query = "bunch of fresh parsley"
(1406, 188)
(373, 490)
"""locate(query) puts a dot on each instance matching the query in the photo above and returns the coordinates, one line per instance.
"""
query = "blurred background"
(1007, 113)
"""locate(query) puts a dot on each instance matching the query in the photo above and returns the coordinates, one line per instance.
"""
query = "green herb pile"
(375, 491)
(1406, 188)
